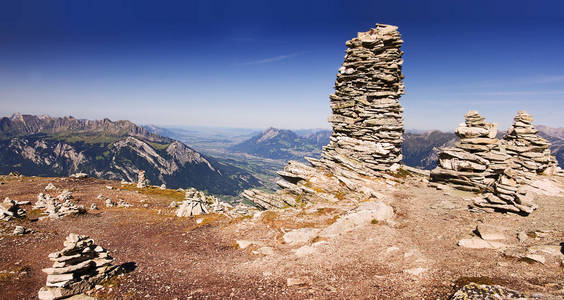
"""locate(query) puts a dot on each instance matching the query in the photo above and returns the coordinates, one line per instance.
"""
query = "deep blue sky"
(273, 63)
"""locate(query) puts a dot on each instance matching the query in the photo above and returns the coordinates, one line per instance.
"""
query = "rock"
(488, 232)
(367, 213)
(20, 230)
(173, 204)
(476, 243)
(415, 271)
(163, 186)
(297, 281)
(305, 251)
(122, 203)
(264, 251)
(536, 257)
(243, 244)
(93, 206)
(50, 187)
(482, 291)
(300, 236)
(79, 175)
(65, 195)
(522, 236)
(109, 203)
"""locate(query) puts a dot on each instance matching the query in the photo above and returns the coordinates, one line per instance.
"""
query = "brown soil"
(181, 258)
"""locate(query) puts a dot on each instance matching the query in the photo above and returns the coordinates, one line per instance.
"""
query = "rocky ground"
(347, 249)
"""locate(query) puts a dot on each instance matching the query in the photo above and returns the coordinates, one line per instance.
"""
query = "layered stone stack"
(10, 209)
(76, 268)
(142, 181)
(367, 128)
(367, 116)
(481, 163)
(195, 203)
(476, 160)
(54, 209)
(531, 151)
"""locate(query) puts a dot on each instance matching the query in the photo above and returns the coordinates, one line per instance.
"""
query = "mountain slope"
(46, 146)
(421, 149)
(276, 143)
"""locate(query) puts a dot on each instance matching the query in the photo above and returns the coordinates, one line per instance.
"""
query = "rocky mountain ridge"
(283, 144)
(46, 146)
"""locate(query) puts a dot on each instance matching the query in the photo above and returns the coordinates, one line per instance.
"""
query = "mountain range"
(283, 144)
(47, 146)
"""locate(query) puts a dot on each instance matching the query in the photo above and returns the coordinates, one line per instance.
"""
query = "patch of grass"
(401, 173)
(34, 214)
(340, 195)
(158, 146)
(377, 222)
(7, 276)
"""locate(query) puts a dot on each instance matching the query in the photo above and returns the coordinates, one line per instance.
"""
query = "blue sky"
(256, 64)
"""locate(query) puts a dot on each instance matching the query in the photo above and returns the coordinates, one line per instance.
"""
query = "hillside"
(46, 146)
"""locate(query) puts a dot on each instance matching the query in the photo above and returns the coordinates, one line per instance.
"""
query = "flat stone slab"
(476, 243)
(489, 232)
(300, 236)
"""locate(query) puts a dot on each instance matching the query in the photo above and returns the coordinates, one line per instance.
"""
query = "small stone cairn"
(76, 268)
(54, 209)
(476, 160)
(532, 152)
(195, 203)
(367, 116)
(10, 209)
(142, 181)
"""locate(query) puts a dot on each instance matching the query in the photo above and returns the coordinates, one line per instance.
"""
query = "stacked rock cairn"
(367, 116)
(76, 268)
(500, 169)
(54, 209)
(10, 209)
(472, 165)
(198, 203)
(142, 181)
(367, 125)
(532, 152)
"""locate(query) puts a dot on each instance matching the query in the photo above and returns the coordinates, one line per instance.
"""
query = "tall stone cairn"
(367, 116)
(531, 152)
(77, 268)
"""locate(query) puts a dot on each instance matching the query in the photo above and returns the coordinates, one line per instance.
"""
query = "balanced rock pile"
(475, 162)
(54, 209)
(367, 116)
(77, 268)
(142, 181)
(10, 209)
(500, 169)
(531, 151)
(195, 203)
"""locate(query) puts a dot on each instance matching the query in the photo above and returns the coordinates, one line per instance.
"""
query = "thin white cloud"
(271, 59)
(518, 93)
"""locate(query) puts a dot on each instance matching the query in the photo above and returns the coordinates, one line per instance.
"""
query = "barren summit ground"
(413, 255)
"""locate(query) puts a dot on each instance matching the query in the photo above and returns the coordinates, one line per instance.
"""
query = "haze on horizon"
(256, 64)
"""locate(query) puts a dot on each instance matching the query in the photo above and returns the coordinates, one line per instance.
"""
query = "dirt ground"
(413, 256)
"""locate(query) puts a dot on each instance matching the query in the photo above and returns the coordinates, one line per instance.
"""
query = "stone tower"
(366, 114)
